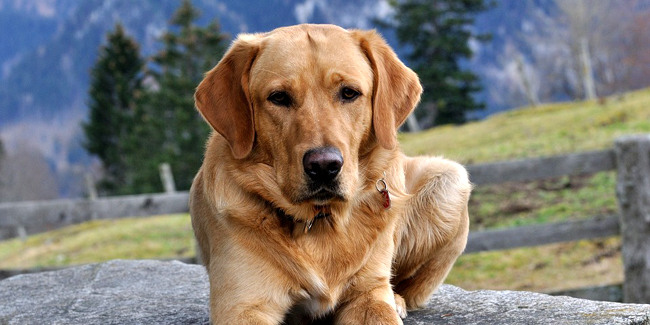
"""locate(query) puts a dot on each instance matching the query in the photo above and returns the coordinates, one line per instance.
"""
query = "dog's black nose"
(322, 164)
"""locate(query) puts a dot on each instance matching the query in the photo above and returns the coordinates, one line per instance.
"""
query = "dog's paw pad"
(400, 306)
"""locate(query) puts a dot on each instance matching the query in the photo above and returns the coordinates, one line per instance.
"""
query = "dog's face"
(313, 90)
(309, 100)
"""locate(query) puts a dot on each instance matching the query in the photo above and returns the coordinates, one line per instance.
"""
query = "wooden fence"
(630, 158)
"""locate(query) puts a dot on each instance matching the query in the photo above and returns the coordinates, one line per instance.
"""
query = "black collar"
(321, 213)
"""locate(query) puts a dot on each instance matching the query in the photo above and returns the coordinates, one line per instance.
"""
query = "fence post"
(92, 192)
(167, 178)
(633, 193)
(90, 186)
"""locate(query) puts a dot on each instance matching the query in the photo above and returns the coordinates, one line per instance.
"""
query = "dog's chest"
(341, 252)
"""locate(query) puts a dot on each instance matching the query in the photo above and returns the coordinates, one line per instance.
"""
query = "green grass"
(562, 199)
(547, 268)
(542, 131)
(101, 240)
(546, 130)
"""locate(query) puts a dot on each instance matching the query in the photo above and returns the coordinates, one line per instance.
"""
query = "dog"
(305, 208)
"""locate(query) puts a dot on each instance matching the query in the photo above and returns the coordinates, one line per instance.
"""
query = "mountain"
(45, 70)
(50, 45)
(54, 43)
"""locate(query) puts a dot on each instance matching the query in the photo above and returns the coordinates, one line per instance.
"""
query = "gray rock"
(452, 305)
(116, 292)
(155, 292)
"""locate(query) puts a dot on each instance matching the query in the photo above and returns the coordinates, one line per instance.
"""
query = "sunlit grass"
(530, 132)
(101, 240)
(548, 268)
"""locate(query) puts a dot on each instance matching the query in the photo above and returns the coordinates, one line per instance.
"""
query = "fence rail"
(630, 157)
(542, 168)
(489, 240)
(26, 218)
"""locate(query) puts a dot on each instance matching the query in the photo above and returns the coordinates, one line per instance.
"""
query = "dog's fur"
(251, 200)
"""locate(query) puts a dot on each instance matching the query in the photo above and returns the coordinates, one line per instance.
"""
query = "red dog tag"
(386, 196)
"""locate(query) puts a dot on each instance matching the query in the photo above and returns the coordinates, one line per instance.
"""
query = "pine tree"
(437, 33)
(116, 85)
(172, 130)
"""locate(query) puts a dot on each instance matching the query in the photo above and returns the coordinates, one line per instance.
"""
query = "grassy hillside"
(542, 131)
(545, 130)
(130, 238)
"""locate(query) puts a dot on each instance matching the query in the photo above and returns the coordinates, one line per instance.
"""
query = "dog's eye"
(280, 98)
(349, 94)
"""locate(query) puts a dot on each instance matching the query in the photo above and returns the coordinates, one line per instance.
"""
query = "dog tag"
(386, 196)
(382, 187)
(308, 225)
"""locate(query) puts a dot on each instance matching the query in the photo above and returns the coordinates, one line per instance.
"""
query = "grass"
(546, 130)
(542, 131)
(562, 199)
(546, 268)
(101, 240)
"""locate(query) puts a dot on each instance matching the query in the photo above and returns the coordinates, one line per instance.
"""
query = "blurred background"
(521, 52)
(96, 95)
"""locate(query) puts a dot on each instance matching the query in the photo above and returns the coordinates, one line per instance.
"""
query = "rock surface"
(154, 292)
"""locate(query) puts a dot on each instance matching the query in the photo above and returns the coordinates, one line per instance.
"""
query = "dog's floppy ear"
(396, 88)
(223, 99)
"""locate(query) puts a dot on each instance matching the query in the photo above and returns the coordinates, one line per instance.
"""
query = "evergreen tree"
(437, 35)
(171, 130)
(116, 85)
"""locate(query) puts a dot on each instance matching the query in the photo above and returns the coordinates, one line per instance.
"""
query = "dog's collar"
(320, 213)
(323, 211)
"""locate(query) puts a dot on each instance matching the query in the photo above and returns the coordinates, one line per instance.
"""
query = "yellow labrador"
(305, 206)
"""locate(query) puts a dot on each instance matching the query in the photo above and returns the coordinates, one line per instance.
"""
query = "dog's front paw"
(380, 312)
(375, 312)
(400, 306)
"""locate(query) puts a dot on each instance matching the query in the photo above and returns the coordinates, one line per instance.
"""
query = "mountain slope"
(45, 69)
(545, 130)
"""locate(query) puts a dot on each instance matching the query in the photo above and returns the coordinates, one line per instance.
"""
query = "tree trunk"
(530, 94)
(412, 123)
(587, 71)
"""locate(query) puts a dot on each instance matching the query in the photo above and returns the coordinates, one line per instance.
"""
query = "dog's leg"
(434, 231)
(369, 297)
(400, 306)
(245, 295)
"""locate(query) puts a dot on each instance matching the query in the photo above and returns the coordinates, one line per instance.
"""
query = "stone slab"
(171, 292)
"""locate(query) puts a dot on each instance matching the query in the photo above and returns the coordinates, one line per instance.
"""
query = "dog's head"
(309, 100)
